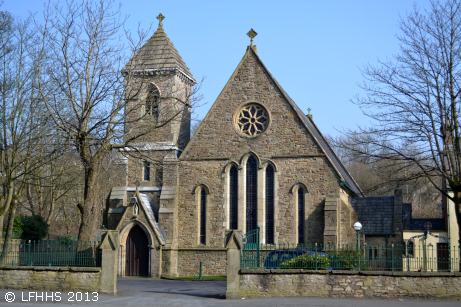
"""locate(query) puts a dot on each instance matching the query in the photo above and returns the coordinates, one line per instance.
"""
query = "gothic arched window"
(251, 194)
(152, 102)
(269, 204)
(202, 216)
(300, 215)
(233, 198)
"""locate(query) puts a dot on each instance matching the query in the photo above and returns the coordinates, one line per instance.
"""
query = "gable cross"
(309, 110)
(252, 33)
(160, 18)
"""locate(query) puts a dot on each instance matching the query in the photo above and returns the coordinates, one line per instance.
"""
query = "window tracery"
(252, 119)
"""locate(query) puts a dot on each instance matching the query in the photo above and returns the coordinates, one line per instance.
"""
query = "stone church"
(255, 160)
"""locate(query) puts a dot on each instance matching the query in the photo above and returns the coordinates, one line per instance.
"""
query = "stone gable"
(286, 143)
(217, 137)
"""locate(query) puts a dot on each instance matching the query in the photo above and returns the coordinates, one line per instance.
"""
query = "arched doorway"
(137, 253)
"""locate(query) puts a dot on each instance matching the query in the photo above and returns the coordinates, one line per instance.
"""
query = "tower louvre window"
(152, 102)
(269, 204)
(233, 199)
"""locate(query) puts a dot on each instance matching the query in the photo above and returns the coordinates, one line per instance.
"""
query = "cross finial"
(160, 18)
(309, 110)
(252, 33)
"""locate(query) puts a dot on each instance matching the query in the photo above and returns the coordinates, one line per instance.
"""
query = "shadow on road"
(182, 292)
(153, 287)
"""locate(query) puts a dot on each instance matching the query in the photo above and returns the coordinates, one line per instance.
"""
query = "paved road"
(153, 292)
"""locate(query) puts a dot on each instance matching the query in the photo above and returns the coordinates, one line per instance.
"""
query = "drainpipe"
(448, 218)
(160, 257)
(425, 253)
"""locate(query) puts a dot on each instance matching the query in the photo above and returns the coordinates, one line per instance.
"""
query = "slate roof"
(328, 150)
(148, 208)
(418, 224)
(375, 213)
(158, 53)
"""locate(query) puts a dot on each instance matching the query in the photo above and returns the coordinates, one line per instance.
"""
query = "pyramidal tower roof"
(158, 53)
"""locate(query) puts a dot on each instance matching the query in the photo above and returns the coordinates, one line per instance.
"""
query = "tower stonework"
(159, 85)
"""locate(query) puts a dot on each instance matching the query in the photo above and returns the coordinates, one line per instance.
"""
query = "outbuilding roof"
(375, 213)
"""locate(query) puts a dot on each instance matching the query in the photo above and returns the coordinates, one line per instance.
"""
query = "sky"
(314, 49)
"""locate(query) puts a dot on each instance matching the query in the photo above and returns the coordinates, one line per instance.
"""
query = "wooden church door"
(137, 253)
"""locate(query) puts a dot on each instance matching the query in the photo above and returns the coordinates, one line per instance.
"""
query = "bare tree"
(22, 120)
(81, 58)
(48, 184)
(195, 124)
(378, 177)
(413, 100)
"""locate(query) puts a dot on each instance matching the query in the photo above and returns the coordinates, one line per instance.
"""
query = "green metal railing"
(50, 253)
(377, 257)
(62, 237)
(14, 235)
(251, 247)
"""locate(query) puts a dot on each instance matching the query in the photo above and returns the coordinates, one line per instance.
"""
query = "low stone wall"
(214, 262)
(349, 284)
(50, 278)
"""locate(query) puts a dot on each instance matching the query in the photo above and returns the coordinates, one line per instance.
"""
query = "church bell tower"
(158, 111)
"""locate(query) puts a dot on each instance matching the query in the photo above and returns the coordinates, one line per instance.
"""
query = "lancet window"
(300, 215)
(233, 199)
(269, 204)
(202, 216)
(146, 171)
(251, 193)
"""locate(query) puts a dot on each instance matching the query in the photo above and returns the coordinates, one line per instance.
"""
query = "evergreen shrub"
(306, 262)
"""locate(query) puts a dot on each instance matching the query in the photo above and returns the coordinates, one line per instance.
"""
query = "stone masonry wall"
(136, 168)
(348, 218)
(214, 262)
(290, 172)
(347, 284)
(50, 278)
(171, 106)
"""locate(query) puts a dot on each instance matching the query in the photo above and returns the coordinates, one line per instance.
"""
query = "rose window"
(252, 119)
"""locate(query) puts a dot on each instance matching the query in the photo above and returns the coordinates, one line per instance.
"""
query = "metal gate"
(250, 255)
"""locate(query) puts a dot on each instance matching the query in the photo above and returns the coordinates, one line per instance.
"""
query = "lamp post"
(357, 228)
